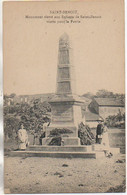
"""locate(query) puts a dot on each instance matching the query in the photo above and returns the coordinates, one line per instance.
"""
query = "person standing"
(23, 138)
(43, 133)
(99, 132)
(35, 138)
(105, 142)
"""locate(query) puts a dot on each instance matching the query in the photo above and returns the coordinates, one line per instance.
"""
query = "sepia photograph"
(64, 97)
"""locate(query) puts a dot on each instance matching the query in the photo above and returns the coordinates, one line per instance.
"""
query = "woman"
(23, 138)
(105, 142)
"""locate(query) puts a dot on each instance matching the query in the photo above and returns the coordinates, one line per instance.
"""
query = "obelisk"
(65, 72)
(65, 105)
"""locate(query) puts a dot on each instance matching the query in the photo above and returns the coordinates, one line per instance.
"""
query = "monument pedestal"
(66, 115)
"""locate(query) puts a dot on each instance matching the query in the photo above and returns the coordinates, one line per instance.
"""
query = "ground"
(56, 175)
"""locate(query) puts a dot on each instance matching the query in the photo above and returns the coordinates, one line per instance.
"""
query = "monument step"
(54, 154)
(60, 148)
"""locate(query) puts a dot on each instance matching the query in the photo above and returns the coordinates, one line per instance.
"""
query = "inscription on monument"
(64, 87)
(62, 113)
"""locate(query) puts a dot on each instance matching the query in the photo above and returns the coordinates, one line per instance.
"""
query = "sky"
(31, 46)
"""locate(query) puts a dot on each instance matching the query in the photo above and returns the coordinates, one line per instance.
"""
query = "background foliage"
(32, 115)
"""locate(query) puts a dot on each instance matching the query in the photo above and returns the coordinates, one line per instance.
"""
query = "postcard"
(64, 96)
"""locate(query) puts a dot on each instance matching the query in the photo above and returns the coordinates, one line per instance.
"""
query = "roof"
(109, 102)
(90, 116)
(86, 100)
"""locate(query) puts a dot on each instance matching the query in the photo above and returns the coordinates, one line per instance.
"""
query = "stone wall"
(105, 111)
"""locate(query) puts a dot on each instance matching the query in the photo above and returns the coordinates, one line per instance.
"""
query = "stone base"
(81, 148)
(68, 141)
(92, 151)
(58, 153)
(52, 154)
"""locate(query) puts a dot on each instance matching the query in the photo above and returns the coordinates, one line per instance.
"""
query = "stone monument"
(65, 105)
(66, 114)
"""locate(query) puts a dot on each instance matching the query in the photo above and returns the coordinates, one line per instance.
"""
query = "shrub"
(85, 135)
(57, 135)
(59, 132)
(56, 141)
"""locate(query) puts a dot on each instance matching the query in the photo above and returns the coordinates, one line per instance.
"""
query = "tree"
(11, 125)
(32, 115)
(117, 120)
(104, 93)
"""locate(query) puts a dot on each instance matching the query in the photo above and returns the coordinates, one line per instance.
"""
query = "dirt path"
(56, 175)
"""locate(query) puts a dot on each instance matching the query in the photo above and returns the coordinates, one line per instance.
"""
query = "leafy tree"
(104, 93)
(117, 120)
(11, 125)
(32, 115)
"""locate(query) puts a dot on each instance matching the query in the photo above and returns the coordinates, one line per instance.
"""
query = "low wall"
(116, 138)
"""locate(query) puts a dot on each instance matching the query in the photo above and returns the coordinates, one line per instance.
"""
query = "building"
(92, 119)
(106, 106)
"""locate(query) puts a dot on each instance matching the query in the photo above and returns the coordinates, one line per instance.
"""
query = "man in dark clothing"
(99, 132)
